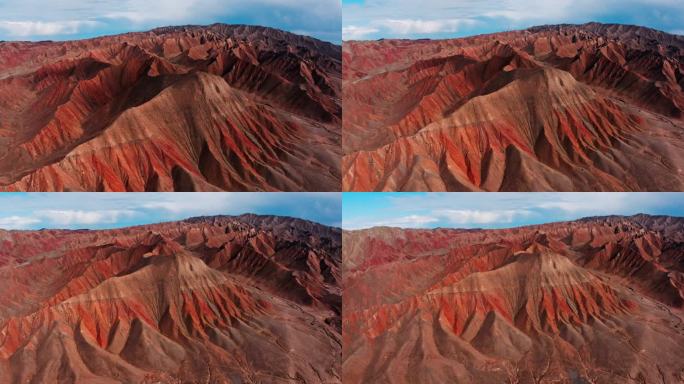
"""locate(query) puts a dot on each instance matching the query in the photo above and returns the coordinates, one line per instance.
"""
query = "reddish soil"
(248, 299)
(598, 300)
(556, 108)
(214, 108)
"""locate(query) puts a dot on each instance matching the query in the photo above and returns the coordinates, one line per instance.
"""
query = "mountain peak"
(551, 108)
(170, 301)
(510, 305)
(256, 95)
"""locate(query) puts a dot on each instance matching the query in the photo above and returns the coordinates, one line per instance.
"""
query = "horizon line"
(171, 26)
(114, 227)
(511, 227)
(506, 31)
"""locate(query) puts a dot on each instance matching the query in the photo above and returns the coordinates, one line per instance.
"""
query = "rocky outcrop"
(249, 299)
(557, 108)
(213, 108)
(599, 300)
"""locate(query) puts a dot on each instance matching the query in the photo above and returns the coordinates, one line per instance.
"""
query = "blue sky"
(113, 210)
(78, 19)
(374, 19)
(496, 210)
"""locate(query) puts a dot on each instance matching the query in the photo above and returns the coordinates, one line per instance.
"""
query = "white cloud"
(80, 217)
(352, 32)
(445, 217)
(411, 221)
(468, 216)
(496, 210)
(17, 222)
(140, 11)
(433, 16)
(43, 28)
(408, 221)
(110, 210)
(419, 26)
(404, 27)
(519, 11)
(590, 204)
(204, 203)
(33, 19)
(210, 203)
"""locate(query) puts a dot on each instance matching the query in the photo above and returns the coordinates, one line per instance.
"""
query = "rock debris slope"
(599, 300)
(555, 108)
(222, 107)
(247, 299)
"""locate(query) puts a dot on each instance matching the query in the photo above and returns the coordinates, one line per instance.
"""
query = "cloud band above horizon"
(374, 19)
(497, 210)
(77, 19)
(30, 211)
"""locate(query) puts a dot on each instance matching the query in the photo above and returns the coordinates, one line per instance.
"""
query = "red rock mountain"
(246, 299)
(599, 300)
(223, 107)
(555, 108)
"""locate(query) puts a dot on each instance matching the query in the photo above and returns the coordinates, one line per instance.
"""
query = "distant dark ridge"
(611, 31)
(237, 31)
(263, 222)
(256, 220)
(646, 221)
(252, 32)
(621, 32)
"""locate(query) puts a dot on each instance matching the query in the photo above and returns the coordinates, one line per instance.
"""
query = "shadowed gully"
(588, 107)
(246, 299)
(217, 108)
(597, 300)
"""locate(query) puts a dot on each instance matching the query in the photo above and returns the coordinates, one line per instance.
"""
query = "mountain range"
(190, 108)
(592, 107)
(246, 299)
(597, 300)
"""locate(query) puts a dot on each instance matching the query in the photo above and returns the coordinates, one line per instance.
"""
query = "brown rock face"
(598, 300)
(557, 108)
(246, 299)
(175, 109)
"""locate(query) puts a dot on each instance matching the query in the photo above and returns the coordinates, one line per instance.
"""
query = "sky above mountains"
(78, 19)
(374, 19)
(496, 210)
(323, 19)
(348, 210)
(115, 210)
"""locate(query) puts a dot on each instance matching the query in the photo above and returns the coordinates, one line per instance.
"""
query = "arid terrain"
(223, 107)
(247, 299)
(591, 107)
(594, 301)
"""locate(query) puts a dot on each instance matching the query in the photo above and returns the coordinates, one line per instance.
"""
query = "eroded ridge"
(598, 300)
(249, 299)
(214, 108)
(556, 108)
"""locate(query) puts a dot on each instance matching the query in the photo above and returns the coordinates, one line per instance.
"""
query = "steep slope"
(568, 108)
(246, 299)
(222, 107)
(599, 300)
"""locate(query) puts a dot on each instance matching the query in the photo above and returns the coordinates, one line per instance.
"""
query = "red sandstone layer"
(226, 299)
(598, 300)
(557, 108)
(213, 108)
